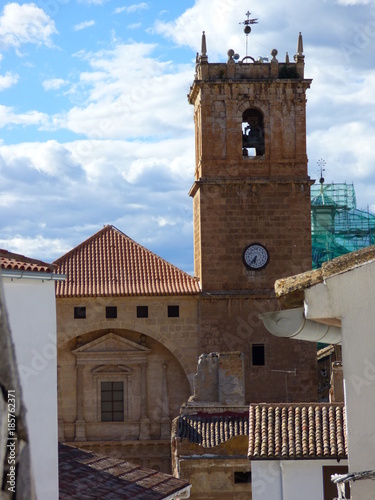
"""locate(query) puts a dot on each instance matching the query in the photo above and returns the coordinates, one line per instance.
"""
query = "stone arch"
(169, 343)
(129, 357)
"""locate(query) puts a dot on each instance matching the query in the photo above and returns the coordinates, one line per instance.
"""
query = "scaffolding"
(337, 225)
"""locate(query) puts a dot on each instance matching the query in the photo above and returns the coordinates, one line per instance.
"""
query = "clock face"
(255, 256)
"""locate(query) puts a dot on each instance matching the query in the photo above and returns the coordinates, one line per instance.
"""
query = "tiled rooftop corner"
(17, 262)
(83, 472)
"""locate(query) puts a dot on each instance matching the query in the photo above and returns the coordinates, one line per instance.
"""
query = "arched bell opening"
(252, 133)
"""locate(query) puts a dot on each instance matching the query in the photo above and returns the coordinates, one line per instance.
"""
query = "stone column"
(144, 424)
(165, 421)
(80, 418)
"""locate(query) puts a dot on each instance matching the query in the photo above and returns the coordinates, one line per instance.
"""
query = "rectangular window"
(142, 311)
(80, 313)
(111, 312)
(242, 477)
(173, 311)
(112, 401)
(258, 355)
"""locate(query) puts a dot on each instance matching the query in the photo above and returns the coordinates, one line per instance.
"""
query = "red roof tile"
(17, 262)
(297, 431)
(211, 430)
(276, 431)
(112, 264)
(83, 474)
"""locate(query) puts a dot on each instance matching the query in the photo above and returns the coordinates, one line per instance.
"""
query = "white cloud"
(353, 2)
(53, 185)
(83, 25)
(136, 165)
(93, 2)
(37, 247)
(9, 117)
(8, 80)
(125, 90)
(164, 221)
(134, 26)
(27, 23)
(50, 158)
(131, 8)
(54, 83)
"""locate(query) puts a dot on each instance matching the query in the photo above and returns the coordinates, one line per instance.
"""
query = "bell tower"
(251, 205)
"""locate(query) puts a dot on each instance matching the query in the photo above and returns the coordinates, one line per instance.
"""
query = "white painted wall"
(289, 479)
(31, 311)
(351, 297)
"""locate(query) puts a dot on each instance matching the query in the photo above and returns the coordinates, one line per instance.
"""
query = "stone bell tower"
(251, 203)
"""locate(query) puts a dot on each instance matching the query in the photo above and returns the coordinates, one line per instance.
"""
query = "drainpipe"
(291, 323)
(282, 471)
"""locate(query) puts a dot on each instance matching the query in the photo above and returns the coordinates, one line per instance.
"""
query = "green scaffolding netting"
(337, 225)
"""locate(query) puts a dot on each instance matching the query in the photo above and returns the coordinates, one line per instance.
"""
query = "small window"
(142, 311)
(173, 311)
(258, 355)
(80, 313)
(111, 312)
(112, 401)
(242, 477)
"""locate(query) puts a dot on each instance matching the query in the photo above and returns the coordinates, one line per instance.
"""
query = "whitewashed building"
(29, 291)
(338, 303)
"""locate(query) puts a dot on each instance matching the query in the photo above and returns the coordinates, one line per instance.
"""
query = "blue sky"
(95, 124)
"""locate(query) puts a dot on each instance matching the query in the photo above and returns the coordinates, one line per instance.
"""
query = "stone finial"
(287, 58)
(299, 57)
(300, 45)
(274, 53)
(203, 56)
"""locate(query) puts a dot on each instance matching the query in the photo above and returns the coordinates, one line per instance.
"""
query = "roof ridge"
(298, 405)
(82, 244)
(111, 263)
(139, 245)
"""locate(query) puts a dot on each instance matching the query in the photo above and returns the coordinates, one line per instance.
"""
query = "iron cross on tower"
(247, 28)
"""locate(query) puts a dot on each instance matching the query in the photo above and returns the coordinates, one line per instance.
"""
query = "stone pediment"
(111, 369)
(111, 348)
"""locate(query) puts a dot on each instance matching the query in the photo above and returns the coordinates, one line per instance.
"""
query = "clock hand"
(254, 260)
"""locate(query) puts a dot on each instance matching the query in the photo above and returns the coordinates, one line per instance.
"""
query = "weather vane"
(321, 163)
(247, 28)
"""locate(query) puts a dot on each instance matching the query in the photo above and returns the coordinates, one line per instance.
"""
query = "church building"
(131, 326)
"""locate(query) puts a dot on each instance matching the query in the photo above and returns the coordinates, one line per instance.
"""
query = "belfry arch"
(253, 143)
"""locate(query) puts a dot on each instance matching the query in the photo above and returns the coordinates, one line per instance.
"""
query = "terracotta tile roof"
(211, 430)
(297, 431)
(17, 262)
(112, 264)
(276, 431)
(85, 475)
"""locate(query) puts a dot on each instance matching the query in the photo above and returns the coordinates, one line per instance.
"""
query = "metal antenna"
(286, 373)
(321, 163)
(247, 28)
